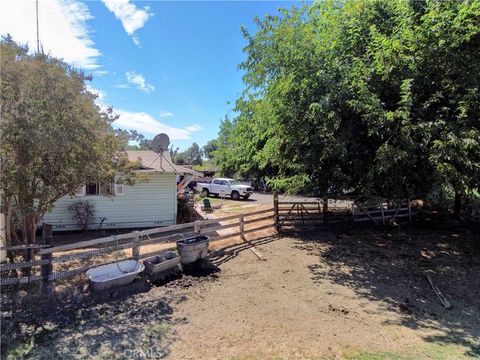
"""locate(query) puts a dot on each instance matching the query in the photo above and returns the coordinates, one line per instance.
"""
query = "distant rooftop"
(154, 162)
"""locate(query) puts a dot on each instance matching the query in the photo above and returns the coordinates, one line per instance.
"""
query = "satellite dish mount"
(160, 144)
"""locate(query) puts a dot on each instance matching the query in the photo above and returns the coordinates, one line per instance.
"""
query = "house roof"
(151, 161)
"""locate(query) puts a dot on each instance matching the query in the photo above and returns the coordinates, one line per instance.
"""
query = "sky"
(164, 66)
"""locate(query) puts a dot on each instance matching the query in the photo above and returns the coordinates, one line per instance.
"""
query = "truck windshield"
(234, 182)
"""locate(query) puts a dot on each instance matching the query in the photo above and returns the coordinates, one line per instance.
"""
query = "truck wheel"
(235, 195)
(205, 192)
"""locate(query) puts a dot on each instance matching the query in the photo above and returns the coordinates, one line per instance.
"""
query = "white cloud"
(145, 123)
(63, 29)
(139, 80)
(165, 114)
(194, 128)
(100, 72)
(121, 86)
(131, 17)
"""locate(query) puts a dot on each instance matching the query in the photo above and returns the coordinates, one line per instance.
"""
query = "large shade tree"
(191, 156)
(381, 97)
(53, 137)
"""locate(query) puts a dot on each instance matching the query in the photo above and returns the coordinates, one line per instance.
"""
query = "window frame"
(99, 189)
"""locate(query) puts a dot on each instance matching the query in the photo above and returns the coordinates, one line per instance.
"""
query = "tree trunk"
(325, 209)
(29, 224)
(457, 207)
(3, 237)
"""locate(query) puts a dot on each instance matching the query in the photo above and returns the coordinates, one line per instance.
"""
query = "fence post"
(28, 257)
(136, 247)
(46, 269)
(275, 211)
(383, 215)
(241, 226)
(319, 212)
(325, 209)
(409, 211)
(197, 228)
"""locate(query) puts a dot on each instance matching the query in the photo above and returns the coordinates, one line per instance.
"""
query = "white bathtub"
(116, 274)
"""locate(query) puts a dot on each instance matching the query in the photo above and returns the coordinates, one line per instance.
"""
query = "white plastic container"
(113, 275)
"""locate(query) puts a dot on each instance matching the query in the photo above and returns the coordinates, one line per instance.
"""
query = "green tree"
(209, 149)
(139, 139)
(53, 137)
(224, 155)
(377, 96)
(180, 158)
(193, 155)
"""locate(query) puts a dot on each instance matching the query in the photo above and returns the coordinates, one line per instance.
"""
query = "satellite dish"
(160, 143)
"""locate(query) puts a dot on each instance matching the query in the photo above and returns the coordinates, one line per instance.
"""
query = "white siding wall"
(147, 204)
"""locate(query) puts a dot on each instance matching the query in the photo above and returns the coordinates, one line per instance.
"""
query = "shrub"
(83, 212)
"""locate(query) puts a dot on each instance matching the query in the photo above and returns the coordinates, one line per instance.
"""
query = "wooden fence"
(382, 212)
(45, 256)
(298, 213)
(283, 214)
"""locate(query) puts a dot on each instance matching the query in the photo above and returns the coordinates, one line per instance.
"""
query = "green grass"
(224, 202)
(21, 351)
(364, 355)
(433, 352)
(215, 200)
(158, 330)
(255, 356)
(439, 351)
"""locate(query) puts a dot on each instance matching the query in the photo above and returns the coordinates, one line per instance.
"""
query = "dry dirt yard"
(357, 293)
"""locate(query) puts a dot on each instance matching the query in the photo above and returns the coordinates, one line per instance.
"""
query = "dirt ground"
(355, 293)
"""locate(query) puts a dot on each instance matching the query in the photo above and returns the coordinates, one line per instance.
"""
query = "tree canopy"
(53, 137)
(139, 140)
(209, 149)
(192, 156)
(373, 96)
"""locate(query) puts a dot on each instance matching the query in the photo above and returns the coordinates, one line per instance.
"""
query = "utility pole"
(38, 37)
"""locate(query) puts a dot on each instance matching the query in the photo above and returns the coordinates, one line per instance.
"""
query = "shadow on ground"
(390, 265)
(230, 252)
(122, 323)
(133, 321)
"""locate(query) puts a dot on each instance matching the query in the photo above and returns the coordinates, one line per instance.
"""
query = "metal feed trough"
(160, 263)
(192, 249)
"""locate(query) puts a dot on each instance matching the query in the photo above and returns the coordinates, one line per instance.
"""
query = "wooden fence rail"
(298, 213)
(50, 255)
(283, 214)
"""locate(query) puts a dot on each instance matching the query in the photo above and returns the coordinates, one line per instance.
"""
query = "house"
(149, 203)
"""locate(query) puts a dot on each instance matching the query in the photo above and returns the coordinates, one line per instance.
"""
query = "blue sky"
(164, 66)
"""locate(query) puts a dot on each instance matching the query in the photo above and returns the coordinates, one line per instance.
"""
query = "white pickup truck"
(225, 187)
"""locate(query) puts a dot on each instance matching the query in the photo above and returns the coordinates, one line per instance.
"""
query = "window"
(80, 191)
(92, 189)
(119, 189)
(223, 182)
(217, 182)
(105, 189)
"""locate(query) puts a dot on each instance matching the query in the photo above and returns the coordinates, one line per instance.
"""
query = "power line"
(38, 36)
